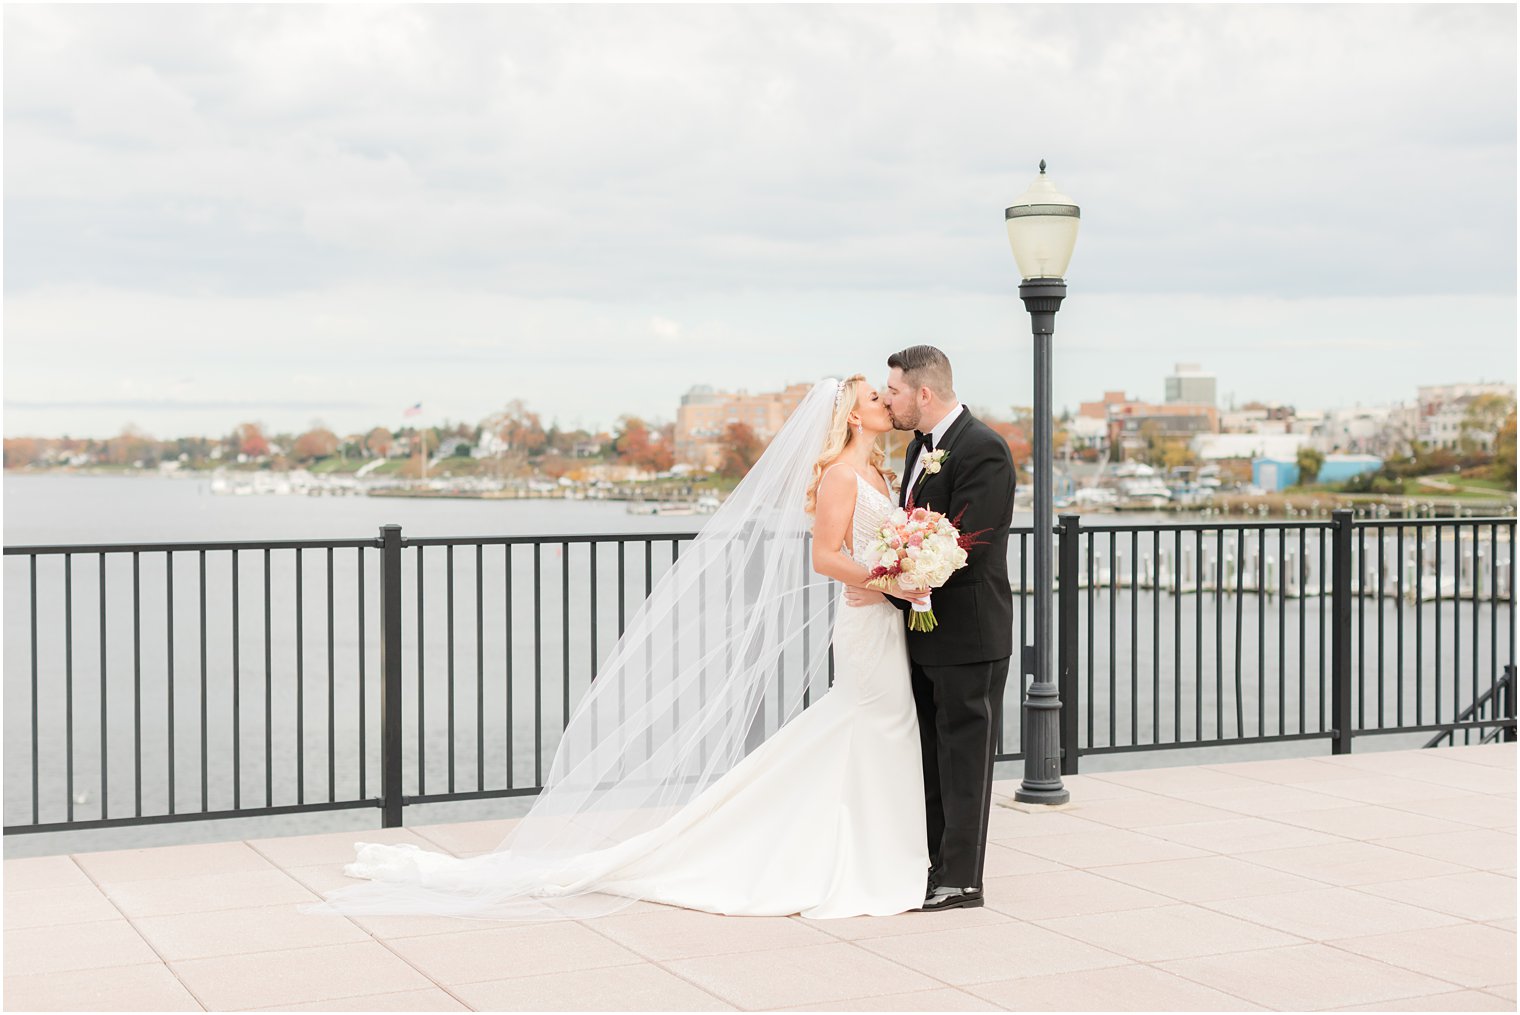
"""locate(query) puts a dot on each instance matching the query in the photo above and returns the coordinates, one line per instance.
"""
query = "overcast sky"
(296, 214)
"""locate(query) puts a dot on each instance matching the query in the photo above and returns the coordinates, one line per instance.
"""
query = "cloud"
(521, 186)
(665, 329)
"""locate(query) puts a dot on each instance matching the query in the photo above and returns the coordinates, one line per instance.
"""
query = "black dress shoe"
(953, 898)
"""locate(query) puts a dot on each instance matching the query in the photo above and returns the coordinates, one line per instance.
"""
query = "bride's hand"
(854, 596)
(911, 595)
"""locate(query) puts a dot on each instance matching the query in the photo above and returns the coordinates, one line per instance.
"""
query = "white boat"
(1095, 496)
(1145, 491)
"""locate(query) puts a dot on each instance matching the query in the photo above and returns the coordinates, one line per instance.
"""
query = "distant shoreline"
(1275, 504)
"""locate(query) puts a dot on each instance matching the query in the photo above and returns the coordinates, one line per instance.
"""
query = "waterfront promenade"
(1377, 880)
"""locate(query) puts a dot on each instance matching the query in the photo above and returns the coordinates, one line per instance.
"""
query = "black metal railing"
(1494, 703)
(372, 692)
(1347, 639)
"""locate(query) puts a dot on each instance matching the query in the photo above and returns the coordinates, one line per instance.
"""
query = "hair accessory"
(838, 393)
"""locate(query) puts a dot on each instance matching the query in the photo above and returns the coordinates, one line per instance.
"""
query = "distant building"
(1189, 384)
(1183, 422)
(1277, 472)
(1366, 430)
(1258, 417)
(1443, 412)
(1213, 447)
(1124, 418)
(449, 446)
(704, 415)
(1431, 395)
(1087, 432)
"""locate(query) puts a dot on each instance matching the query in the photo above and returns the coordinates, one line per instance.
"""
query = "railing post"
(1508, 705)
(1340, 633)
(1068, 555)
(390, 668)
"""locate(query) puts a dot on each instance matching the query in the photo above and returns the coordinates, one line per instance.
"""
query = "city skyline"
(415, 417)
(216, 214)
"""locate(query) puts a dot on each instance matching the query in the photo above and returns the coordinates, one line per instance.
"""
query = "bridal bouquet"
(920, 549)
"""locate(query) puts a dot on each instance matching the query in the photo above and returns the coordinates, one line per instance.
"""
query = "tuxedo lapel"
(946, 443)
(956, 429)
(910, 456)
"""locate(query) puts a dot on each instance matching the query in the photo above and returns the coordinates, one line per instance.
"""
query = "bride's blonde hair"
(840, 436)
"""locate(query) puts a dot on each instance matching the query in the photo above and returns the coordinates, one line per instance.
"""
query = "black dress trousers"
(959, 714)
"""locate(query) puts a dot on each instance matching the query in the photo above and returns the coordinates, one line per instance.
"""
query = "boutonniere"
(933, 460)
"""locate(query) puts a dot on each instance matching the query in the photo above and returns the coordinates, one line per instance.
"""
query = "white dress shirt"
(938, 433)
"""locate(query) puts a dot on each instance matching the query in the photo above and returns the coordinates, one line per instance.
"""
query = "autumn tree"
(741, 449)
(661, 457)
(515, 428)
(315, 443)
(554, 465)
(662, 451)
(248, 439)
(378, 442)
(132, 445)
(20, 451)
(1013, 436)
(638, 446)
(631, 440)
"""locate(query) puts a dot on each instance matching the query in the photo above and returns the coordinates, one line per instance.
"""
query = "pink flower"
(917, 539)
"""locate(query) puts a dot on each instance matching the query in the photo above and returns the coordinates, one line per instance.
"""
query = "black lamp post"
(1042, 229)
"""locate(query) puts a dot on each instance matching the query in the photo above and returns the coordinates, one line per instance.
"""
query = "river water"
(1153, 666)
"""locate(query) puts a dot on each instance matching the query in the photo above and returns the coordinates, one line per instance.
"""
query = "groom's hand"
(862, 597)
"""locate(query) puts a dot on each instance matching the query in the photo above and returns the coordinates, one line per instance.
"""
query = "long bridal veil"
(731, 643)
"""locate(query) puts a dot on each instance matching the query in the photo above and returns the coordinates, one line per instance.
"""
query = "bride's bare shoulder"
(838, 481)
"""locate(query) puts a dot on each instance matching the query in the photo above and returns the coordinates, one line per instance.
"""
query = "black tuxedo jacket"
(974, 608)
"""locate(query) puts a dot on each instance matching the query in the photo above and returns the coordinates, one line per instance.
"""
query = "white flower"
(933, 460)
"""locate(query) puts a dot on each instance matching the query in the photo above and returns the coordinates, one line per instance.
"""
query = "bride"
(722, 759)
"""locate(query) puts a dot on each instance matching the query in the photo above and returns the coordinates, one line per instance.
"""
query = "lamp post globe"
(1042, 230)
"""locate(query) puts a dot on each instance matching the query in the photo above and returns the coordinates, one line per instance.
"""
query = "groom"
(954, 464)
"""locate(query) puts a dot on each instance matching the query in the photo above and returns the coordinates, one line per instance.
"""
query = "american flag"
(412, 410)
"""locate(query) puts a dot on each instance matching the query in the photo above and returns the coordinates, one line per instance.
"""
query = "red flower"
(968, 539)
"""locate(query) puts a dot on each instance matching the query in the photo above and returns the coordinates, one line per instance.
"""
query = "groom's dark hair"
(924, 366)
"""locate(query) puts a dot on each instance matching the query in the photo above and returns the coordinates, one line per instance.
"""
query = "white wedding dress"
(825, 818)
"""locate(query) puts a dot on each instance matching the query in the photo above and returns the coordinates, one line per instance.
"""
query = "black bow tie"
(926, 439)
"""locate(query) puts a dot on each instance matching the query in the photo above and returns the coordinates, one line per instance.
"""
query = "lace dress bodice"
(871, 509)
